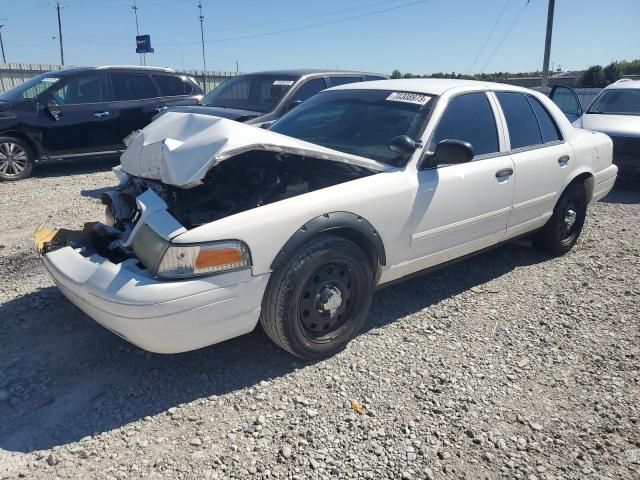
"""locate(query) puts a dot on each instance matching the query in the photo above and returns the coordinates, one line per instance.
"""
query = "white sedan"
(216, 225)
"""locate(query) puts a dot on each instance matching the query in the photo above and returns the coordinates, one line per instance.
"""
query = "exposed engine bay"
(241, 183)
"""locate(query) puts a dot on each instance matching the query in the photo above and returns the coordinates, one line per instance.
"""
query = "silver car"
(616, 112)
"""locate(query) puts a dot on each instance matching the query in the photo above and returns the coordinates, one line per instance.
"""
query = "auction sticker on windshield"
(407, 97)
(283, 82)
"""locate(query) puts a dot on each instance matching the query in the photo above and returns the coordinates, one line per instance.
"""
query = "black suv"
(261, 98)
(83, 112)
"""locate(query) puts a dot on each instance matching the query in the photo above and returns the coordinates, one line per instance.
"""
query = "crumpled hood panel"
(180, 148)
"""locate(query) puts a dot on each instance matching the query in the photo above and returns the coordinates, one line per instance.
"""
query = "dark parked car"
(261, 98)
(83, 112)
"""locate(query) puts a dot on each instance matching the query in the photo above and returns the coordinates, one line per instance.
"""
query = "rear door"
(541, 157)
(77, 116)
(566, 98)
(174, 90)
(135, 100)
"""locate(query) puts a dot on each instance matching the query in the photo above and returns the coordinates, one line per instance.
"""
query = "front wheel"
(318, 301)
(561, 232)
(16, 159)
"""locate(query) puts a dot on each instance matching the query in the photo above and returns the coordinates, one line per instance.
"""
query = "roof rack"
(137, 67)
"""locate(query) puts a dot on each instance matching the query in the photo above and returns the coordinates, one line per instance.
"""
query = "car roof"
(429, 86)
(624, 83)
(313, 71)
(127, 68)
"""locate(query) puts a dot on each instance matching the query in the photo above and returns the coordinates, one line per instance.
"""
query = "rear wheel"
(562, 230)
(318, 301)
(16, 159)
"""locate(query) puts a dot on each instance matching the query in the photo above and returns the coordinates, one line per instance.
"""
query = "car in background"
(261, 98)
(616, 112)
(217, 225)
(83, 112)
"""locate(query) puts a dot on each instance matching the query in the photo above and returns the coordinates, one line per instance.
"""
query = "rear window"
(171, 86)
(132, 86)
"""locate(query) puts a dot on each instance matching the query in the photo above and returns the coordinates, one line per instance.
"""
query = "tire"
(561, 232)
(319, 299)
(16, 159)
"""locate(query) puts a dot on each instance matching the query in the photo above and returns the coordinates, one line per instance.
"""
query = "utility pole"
(4, 59)
(547, 45)
(143, 56)
(237, 67)
(60, 34)
(204, 61)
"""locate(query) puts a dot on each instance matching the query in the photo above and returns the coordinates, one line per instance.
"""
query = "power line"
(505, 35)
(306, 27)
(266, 34)
(489, 36)
(290, 19)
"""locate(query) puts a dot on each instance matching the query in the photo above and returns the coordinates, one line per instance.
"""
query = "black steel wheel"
(317, 302)
(562, 230)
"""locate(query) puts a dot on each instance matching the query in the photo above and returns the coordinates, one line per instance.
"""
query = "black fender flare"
(327, 222)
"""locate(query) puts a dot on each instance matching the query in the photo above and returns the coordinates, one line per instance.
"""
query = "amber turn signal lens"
(218, 256)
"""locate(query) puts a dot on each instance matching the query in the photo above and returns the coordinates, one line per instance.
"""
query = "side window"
(521, 121)
(468, 117)
(85, 89)
(171, 86)
(335, 81)
(548, 127)
(309, 89)
(132, 86)
(370, 78)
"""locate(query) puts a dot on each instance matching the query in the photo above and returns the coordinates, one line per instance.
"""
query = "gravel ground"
(508, 365)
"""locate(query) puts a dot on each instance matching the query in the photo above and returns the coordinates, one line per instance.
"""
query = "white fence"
(12, 74)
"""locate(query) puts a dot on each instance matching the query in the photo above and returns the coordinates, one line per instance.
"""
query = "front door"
(465, 207)
(77, 118)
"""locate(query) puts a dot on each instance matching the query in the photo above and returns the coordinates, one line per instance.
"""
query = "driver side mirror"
(451, 152)
(404, 145)
(54, 109)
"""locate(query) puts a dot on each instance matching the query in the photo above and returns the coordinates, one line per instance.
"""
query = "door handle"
(505, 172)
(161, 109)
(100, 114)
(563, 160)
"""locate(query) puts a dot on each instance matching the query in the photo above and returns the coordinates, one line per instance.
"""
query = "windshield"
(258, 93)
(31, 88)
(359, 122)
(617, 102)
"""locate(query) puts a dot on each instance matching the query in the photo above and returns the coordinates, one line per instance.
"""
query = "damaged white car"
(216, 225)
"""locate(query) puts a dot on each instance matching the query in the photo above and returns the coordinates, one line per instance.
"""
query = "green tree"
(611, 72)
(396, 74)
(631, 67)
(593, 77)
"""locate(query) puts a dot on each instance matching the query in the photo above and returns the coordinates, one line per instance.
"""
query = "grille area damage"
(241, 183)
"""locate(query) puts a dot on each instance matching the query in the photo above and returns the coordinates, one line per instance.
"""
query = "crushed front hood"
(180, 148)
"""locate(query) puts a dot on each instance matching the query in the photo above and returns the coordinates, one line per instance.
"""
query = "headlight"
(181, 261)
(169, 260)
